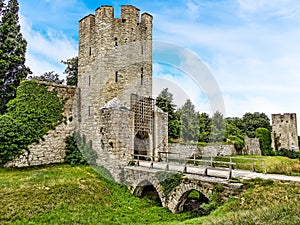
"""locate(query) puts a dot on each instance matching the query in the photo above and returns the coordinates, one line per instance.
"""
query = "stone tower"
(115, 56)
(284, 134)
(114, 112)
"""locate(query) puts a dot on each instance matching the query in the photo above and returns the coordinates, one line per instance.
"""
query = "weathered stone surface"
(178, 150)
(114, 109)
(284, 131)
(252, 146)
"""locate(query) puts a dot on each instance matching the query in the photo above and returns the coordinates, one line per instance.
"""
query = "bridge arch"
(140, 186)
(179, 196)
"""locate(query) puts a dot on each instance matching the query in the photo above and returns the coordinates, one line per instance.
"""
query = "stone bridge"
(139, 179)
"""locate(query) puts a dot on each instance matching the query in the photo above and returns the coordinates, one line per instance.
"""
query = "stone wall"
(115, 139)
(52, 148)
(187, 151)
(252, 146)
(160, 133)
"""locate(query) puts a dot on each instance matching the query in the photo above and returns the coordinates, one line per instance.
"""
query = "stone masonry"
(52, 148)
(115, 111)
(284, 134)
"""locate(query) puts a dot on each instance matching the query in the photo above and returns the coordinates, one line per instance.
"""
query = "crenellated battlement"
(129, 15)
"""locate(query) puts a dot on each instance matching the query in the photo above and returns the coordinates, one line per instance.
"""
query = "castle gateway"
(115, 113)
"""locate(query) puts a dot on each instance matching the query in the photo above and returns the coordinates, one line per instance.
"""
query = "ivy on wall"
(33, 112)
(168, 181)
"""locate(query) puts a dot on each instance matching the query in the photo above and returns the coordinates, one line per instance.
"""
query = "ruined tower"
(284, 134)
(115, 111)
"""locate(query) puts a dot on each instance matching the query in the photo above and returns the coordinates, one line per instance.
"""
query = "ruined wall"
(252, 147)
(284, 131)
(52, 148)
(187, 151)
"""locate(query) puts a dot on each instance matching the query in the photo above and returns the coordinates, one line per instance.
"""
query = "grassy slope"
(275, 164)
(61, 194)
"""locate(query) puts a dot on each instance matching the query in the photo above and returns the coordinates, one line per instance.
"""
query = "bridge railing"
(252, 164)
(206, 163)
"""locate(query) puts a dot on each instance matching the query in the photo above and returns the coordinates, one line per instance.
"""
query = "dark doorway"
(141, 143)
(194, 201)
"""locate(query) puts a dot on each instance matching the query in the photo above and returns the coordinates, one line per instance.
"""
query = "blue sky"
(251, 47)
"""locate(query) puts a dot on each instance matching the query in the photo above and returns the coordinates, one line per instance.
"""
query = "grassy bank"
(274, 164)
(61, 194)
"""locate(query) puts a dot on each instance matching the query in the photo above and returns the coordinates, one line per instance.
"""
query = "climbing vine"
(30, 115)
(169, 181)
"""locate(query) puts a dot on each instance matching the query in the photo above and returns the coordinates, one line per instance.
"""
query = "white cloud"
(45, 51)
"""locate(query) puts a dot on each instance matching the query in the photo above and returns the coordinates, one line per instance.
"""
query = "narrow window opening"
(142, 50)
(142, 75)
(89, 80)
(90, 51)
(123, 20)
(89, 110)
(116, 41)
(117, 77)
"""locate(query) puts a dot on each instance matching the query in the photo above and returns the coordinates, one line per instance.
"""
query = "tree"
(190, 122)
(1, 7)
(217, 127)
(265, 140)
(71, 71)
(165, 102)
(204, 127)
(252, 121)
(48, 77)
(12, 53)
(233, 133)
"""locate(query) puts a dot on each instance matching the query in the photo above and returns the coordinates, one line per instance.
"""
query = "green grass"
(274, 164)
(61, 194)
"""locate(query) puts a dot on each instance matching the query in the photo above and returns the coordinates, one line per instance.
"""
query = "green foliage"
(204, 127)
(29, 117)
(12, 53)
(234, 133)
(73, 154)
(169, 181)
(190, 121)
(217, 127)
(265, 141)
(71, 71)
(288, 153)
(48, 77)
(252, 121)
(165, 102)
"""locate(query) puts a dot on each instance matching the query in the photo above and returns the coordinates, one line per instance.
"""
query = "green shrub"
(78, 152)
(33, 112)
(288, 153)
(264, 137)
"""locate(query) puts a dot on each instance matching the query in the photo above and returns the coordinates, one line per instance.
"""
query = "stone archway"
(179, 196)
(148, 184)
